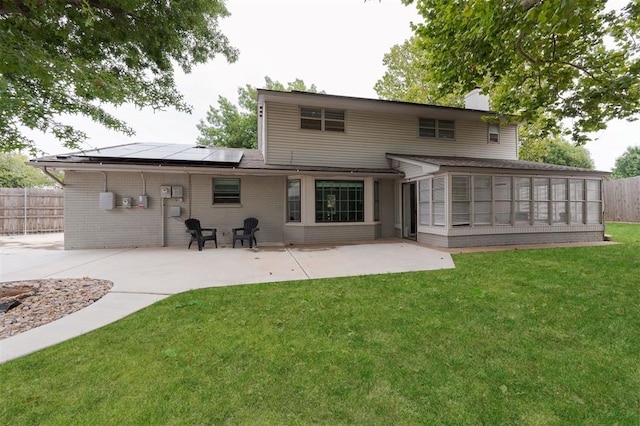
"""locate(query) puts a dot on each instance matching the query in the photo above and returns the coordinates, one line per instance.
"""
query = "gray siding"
(315, 234)
(387, 208)
(509, 239)
(369, 136)
(262, 197)
(89, 226)
(409, 170)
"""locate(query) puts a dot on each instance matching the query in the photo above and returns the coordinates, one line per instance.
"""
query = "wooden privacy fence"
(31, 210)
(622, 200)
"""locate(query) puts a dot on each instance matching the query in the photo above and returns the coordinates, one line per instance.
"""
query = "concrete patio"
(142, 276)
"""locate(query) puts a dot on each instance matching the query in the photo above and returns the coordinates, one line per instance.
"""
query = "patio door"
(409, 210)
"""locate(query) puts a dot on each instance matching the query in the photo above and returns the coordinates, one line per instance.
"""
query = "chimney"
(476, 100)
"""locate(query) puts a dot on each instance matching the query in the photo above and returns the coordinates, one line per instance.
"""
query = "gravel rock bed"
(38, 302)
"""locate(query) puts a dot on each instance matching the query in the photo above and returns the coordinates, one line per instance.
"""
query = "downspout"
(189, 189)
(52, 176)
(144, 184)
(162, 219)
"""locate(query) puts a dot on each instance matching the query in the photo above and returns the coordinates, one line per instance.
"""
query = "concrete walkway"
(142, 276)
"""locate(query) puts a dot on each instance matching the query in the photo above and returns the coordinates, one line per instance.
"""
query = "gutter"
(52, 176)
(232, 171)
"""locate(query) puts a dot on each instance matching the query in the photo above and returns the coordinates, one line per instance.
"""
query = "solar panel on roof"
(226, 156)
(169, 152)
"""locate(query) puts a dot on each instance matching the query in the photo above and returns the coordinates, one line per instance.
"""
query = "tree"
(555, 150)
(14, 173)
(571, 59)
(73, 57)
(628, 164)
(235, 127)
(408, 78)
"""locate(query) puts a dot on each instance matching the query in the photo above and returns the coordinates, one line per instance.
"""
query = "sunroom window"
(438, 202)
(523, 199)
(461, 200)
(424, 187)
(594, 201)
(502, 200)
(541, 200)
(576, 195)
(482, 200)
(559, 205)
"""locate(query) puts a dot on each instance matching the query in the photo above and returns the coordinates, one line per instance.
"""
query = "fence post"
(25, 210)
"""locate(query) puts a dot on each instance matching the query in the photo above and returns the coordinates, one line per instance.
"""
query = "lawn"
(531, 337)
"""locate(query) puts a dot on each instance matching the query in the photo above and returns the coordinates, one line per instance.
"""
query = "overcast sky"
(338, 45)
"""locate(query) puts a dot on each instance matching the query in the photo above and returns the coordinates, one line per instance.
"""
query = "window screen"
(226, 191)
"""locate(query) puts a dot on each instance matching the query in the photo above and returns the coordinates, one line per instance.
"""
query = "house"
(332, 169)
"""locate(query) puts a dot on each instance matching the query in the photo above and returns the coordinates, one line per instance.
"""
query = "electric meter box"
(176, 192)
(165, 191)
(143, 201)
(107, 200)
(174, 211)
(126, 202)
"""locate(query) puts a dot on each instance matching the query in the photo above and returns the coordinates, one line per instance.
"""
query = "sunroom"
(462, 202)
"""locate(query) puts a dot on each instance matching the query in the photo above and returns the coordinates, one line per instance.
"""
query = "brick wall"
(89, 226)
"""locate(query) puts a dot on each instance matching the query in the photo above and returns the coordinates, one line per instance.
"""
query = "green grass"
(527, 337)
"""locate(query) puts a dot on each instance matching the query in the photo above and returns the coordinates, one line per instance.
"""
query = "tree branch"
(21, 6)
(536, 61)
(522, 52)
(528, 4)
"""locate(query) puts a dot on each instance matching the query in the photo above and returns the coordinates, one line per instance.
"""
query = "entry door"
(409, 210)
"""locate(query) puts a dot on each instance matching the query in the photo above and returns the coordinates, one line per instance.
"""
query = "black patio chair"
(198, 233)
(247, 232)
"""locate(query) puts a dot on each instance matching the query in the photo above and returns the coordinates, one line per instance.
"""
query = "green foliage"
(628, 164)
(535, 146)
(237, 127)
(14, 173)
(408, 78)
(531, 337)
(74, 57)
(569, 59)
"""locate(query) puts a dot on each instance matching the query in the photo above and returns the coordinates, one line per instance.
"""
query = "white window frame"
(593, 201)
(493, 133)
(424, 200)
(294, 215)
(439, 128)
(328, 119)
(461, 190)
(235, 197)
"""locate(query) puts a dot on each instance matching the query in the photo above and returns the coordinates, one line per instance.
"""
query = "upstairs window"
(494, 133)
(440, 129)
(327, 119)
